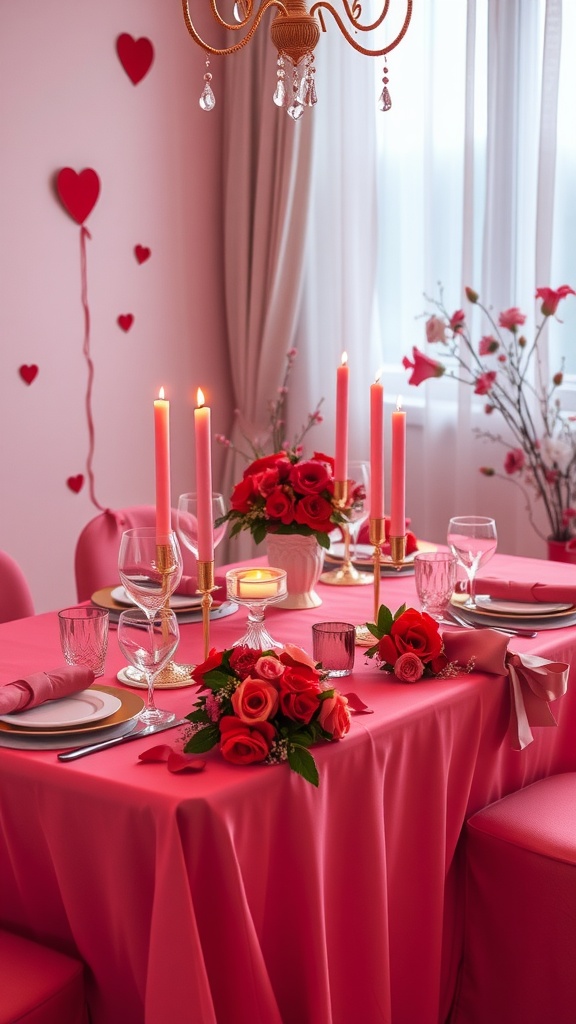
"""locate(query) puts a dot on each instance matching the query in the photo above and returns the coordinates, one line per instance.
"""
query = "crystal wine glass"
(473, 540)
(187, 521)
(356, 513)
(148, 642)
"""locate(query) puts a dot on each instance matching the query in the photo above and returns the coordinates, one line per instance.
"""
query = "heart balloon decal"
(142, 253)
(135, 55)
(28, 373)
(78, 192)
(125, 321)
(75, 483)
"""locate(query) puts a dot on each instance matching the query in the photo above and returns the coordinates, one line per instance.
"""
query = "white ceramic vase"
(303, 559)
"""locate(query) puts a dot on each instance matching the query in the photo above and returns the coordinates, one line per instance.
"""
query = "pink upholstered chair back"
(96, 557)
(15, 597)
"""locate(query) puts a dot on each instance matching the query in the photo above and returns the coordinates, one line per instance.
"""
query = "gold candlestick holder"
(346, 575)
(377, 535)
(173, 674)
(205, 587)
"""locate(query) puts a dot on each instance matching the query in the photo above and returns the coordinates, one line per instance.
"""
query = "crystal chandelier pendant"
(280, 91)
(307, 91)
(207, 100)
(296, 108)
(385, 103)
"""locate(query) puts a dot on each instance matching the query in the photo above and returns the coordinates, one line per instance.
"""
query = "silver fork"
(500, 629)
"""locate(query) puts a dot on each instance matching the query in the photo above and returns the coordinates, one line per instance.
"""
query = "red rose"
(309, 477)
(245, 744)
(255, 700)
(243, 660)
(387, 650)
(214, 660)
(267, 481)
(326, 459)
(417, 632)
(408, 668)
(298, 694)
(278, 461)
(334, 715)
(314, 511)
(242, 496)
(280, 505)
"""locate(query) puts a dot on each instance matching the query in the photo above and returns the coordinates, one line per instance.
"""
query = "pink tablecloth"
(245, 895)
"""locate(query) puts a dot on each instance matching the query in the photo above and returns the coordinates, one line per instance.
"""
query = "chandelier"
(295, 32)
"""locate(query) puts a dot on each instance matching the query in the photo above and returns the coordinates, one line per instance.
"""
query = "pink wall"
(66, 101)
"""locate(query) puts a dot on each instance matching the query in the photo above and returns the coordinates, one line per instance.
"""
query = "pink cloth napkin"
(512, 590)
(189, 586)
(38, 687)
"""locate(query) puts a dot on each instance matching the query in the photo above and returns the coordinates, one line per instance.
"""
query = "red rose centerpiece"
(409, 644)
(266, 707)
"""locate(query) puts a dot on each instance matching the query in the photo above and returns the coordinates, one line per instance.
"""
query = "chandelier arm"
(353, 17)
(362, 49)
(266, 4)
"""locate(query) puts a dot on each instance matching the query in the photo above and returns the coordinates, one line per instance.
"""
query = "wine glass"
(356, 513)
(148, 642)
(473, 540)
(187, 520)
(359, 475)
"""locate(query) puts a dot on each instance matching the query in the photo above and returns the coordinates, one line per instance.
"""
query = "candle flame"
(399, 403)
(378, 375)
(344, 359)
(161, 394)
(200, 397)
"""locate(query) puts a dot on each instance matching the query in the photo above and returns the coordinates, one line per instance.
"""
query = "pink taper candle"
(398, 492)
(162, 455)
(204, 480)
(376, 449)
(341, 453)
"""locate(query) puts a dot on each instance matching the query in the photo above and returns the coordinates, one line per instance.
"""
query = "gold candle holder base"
(346, 575)
(173, 674)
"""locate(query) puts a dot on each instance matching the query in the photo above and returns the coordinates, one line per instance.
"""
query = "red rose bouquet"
(266, 707)
(284, 493)
(511, 375)
(409, 644)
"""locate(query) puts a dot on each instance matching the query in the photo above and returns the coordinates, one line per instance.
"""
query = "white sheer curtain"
(266, 187)
(470, 164)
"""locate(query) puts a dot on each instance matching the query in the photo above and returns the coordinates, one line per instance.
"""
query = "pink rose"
(280, 505)
(435, 329)
(309, 477)
(314, 511)
(293, 655)
(245, 744)
(514, 461)
(408, 668)
(487, 345)
(268, 667)
(422, 367)
(551, 298)
(511, 318)
(334, 715)
(484, 382)
(255, 700)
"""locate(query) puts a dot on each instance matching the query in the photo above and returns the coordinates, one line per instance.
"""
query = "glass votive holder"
(333, 646)
(435, 580)
(84, 636)
(256, 589)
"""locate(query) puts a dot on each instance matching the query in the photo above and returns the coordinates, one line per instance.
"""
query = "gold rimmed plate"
(130, 705)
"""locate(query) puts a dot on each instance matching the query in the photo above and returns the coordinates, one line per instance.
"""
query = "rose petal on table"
(185, 762)
(358, 705)
(161, 752)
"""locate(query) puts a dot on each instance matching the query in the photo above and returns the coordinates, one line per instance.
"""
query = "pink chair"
(39, 984)
(15, 597)
(520, 933)
(96, 557)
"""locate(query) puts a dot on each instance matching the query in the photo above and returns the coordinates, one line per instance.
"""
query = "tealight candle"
(259, 584)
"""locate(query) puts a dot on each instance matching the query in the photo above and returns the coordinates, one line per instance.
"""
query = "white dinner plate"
(77, 709)
(130, 705)
(64, 739)
(492, 606)
(177, 601)
(555, 620)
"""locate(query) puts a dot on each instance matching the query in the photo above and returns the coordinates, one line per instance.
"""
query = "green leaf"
(326, 694)
(385, 620)
(216, 679)
(203, 740)
(302, 762)
(400, 611)
(198, 716)
(259, 532)
(323, 540)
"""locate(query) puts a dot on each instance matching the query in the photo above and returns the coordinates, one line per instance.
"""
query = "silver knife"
(141, 730)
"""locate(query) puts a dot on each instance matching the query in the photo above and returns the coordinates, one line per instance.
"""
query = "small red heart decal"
(135, 55)
(75, 483)
(142, 253)
(125, 320)
(78, 192)
(28, 373)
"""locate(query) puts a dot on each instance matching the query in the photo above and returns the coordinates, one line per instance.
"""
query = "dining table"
(245, 894)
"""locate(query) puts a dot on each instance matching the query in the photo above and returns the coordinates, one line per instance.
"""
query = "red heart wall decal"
(75, 483)
(142, 253)
(78, 192)
(125, 321)
(135, 55)
(28, 373)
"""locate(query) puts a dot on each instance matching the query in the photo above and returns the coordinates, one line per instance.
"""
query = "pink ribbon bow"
(534, 681)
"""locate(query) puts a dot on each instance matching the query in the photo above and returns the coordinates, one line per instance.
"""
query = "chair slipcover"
(39, 985)
(15, 597)
(96, 557)
(520, 936)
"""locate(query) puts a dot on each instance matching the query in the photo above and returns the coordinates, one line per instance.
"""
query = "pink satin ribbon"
(534, 682)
